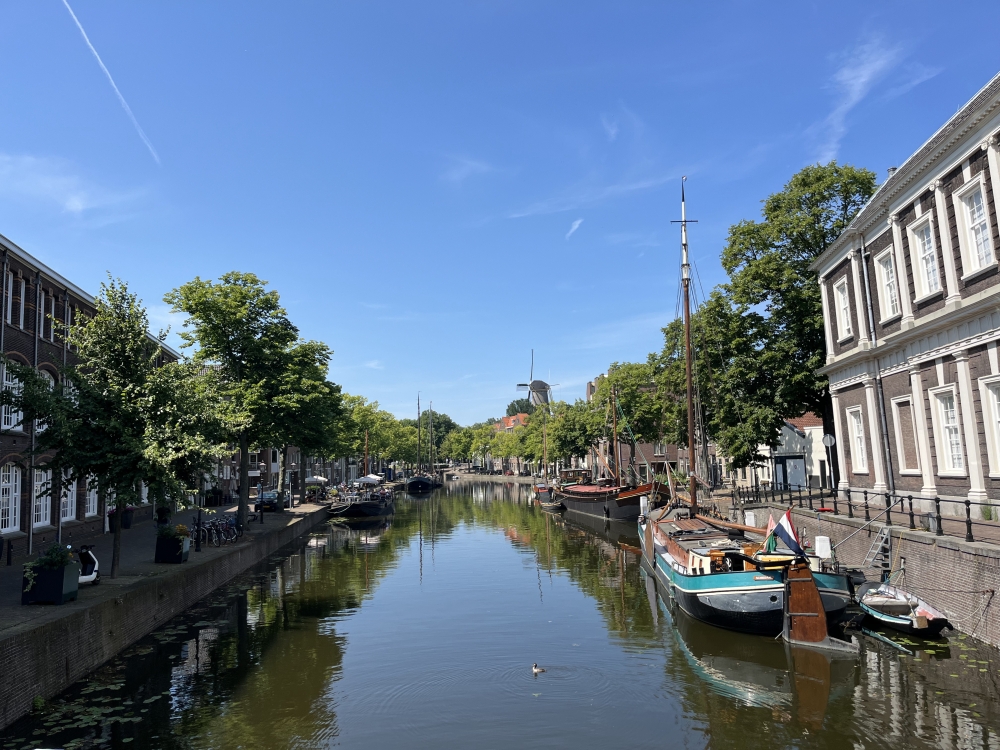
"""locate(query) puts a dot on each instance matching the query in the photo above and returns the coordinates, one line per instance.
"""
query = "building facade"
(911, 306)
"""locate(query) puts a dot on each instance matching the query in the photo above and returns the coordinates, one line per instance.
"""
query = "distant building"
(509, 424)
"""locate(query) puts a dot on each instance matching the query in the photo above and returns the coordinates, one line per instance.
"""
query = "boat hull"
(745, 601)
(363, 509)
(905, 624)
(419, 486)
(610, 505)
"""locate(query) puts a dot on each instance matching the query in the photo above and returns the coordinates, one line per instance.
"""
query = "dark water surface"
(423, 634)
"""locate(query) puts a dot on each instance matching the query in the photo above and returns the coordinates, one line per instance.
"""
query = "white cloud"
(374, 364)
(462, 168)
(576, 225)
(121, 99)
(589, 196)
(610, 127)
(861, 69)
(52, 181)
(915, 75)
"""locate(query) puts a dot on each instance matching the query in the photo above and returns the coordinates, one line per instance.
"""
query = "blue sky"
(437, 188)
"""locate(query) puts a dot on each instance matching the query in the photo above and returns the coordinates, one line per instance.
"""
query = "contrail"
(128, 109)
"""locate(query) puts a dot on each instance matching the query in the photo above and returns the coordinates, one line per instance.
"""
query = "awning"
(316, 480)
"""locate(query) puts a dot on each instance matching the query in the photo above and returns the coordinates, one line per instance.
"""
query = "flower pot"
(127, 518)
(172, 549)
(52, 585)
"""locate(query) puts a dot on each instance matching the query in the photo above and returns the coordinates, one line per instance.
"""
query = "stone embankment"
(44, 649)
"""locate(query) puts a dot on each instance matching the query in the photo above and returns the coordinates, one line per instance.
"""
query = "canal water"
(421, 633)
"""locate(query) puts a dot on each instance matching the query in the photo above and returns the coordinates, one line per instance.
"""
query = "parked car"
(269, 501)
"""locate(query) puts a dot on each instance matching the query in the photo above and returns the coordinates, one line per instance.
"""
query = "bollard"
(810, 497)
(800, 495)
(909, 499)
(835, 511)
(937, 503)
(867, 515)
(888, 509)
(850, 505)
(968, 521)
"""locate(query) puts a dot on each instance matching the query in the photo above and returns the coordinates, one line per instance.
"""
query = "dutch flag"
(785, 531)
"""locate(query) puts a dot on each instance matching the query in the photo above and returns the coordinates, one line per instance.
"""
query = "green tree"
(520, 406)
(241, 331)
(574, 430)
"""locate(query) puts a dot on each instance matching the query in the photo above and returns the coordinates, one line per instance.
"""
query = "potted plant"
(53, 578)
(127, 516)
(172, 544)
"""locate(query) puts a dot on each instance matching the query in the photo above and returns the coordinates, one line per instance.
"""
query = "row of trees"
(123, 418)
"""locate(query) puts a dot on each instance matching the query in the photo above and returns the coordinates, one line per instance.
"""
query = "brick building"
(35, 305)
(911, 305)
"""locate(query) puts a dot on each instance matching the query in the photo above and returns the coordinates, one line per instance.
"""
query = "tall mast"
(418, 433)
(614, 437)
(430, 437)
(688, 359)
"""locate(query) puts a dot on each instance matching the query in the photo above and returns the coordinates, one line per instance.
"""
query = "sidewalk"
(138, 544)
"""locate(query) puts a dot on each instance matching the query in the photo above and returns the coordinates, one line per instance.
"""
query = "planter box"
(52, 586)
(172, 549)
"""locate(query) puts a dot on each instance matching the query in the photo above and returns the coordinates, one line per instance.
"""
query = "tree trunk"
(241, 513)
(282, 463)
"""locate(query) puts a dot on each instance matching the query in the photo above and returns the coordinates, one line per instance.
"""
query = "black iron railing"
(863, 503)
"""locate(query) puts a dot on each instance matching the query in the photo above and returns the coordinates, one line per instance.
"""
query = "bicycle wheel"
(215, 538)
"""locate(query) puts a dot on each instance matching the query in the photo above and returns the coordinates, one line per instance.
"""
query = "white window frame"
(9, 291)
(10, 498)
(52, 318)
(989, 393)
(971, 265)
(11, 419)
(859, 443)
(91, 505)
(40, 426)
(67, 504)
(20, 304)
(41, 506)
(886, 301)
(842, 300)
(898, 404)
(40, 315)
(942, 444)
(924, 290)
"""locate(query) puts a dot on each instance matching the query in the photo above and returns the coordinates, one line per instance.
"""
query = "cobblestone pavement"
(138, 544)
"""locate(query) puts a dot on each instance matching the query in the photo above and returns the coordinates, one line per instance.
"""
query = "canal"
(422, 633)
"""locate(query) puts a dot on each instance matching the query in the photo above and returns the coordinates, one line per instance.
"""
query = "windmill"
(538, 390)
(538, 393)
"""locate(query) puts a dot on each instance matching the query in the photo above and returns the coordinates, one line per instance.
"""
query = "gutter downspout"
(889, 478)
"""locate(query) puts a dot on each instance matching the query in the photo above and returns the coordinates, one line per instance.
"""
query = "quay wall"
(960, 578)
(43, 659)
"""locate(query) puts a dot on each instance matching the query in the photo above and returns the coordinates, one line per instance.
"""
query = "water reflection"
(424, 627)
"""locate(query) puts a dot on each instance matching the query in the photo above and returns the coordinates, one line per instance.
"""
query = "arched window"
(11, 417)
(41, 514)
(67, 507)
(51, 383)
(91, 507)
(10, 498)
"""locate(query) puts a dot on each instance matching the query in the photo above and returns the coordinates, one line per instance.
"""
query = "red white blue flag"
(785, 531)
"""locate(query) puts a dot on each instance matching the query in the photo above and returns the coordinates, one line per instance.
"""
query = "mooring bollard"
(867, 515)
(810, 490)
(968, 521)
(937, 504)
(909, 499)
(888, 509)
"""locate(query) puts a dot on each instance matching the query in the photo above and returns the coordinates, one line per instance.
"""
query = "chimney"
(891, 171)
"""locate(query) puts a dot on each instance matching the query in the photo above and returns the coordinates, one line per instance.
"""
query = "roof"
(65, 283)
(806, 420)
(911, 173)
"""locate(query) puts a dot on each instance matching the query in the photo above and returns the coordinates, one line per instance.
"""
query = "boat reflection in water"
(616, 532)
(756, 671)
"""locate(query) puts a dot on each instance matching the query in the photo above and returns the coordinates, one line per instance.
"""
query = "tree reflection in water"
(264, 661)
